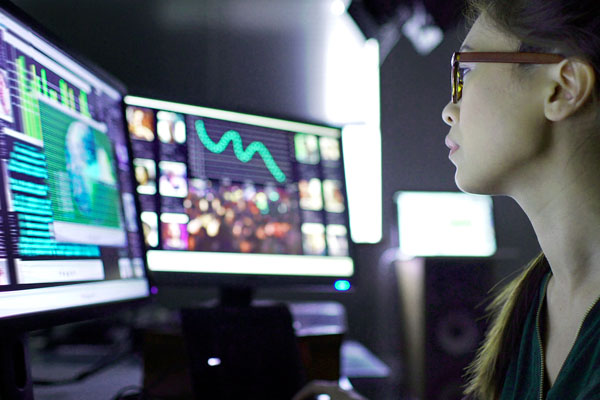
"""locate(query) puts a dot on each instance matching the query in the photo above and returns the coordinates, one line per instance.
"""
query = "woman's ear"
(573, 82)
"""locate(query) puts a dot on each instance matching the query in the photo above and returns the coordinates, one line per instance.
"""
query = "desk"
(362, 367)
(68, 362)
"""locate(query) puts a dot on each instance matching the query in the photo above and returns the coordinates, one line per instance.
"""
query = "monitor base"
(238, 349)
(15, 372)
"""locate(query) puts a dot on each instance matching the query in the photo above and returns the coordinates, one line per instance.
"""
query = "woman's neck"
(565, 214)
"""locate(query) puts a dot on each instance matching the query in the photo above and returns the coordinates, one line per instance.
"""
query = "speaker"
(443, 303)
(455, 293)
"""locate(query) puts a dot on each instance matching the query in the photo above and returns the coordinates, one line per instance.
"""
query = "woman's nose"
(450, 113)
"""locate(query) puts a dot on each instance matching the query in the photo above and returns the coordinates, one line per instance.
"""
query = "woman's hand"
(331, 389)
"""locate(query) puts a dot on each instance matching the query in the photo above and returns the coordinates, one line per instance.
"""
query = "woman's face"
(497, 126)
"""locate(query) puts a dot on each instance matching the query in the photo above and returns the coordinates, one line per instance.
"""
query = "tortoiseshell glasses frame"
(494, 57)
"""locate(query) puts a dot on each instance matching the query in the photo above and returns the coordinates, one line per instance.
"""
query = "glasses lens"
(455, 79)
(454, 84)
(459, 83)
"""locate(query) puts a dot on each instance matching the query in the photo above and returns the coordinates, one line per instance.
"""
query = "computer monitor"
(70, 240)
(234, 199)
(445, 224)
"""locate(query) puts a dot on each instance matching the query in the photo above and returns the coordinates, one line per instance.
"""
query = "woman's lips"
(451, 145)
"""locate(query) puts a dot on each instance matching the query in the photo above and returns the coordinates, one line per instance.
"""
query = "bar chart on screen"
(33, 85)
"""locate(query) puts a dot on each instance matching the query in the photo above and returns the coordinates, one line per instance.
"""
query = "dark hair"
(508, 312)
(571, 28)
(568, 27)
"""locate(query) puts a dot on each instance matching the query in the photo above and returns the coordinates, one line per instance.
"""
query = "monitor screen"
(69, 233)
(445, 224)
(231, 194)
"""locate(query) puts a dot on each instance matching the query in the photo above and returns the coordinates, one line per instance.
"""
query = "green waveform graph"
(244, 155)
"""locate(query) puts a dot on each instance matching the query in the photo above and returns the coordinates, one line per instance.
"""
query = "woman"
(528, 126)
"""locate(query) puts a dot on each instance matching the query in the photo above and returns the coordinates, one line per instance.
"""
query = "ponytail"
(507, 311)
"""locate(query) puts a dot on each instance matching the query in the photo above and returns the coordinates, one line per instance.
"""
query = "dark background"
(195, 52)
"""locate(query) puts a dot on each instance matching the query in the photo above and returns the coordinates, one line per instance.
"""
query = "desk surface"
(356, 362)
(67, 363)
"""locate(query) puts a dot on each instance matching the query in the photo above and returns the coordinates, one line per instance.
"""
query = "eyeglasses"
(494, 57)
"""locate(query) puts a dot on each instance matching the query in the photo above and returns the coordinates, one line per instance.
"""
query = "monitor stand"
(15, 373)
(240, 348)
(231, 296)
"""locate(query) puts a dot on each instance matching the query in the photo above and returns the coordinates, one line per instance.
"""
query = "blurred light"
(434, 224)
(420, 30)
(174, 218)
(371, 89)
(338, 7)
(351, 75)
(411, 285)
(345, 384)
(323, 397)
(342, 285)
(214, 361)
(352, 99)
(235, 263)
(362, 162)
(154, 290)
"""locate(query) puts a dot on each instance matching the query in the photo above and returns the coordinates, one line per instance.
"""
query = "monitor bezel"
(49, 318)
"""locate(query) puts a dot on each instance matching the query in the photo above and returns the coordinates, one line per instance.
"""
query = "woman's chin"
(474, 186)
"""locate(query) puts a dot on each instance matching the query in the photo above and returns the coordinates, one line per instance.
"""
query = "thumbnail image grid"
(221, 216)
(320, 195)
(140, 122)
(145, 175)
(173, 179)
(306, 148)
(170, 127)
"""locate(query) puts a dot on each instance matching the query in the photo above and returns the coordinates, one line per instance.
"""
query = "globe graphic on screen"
(81, 161)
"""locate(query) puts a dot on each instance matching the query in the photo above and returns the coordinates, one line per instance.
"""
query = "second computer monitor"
(232, 195)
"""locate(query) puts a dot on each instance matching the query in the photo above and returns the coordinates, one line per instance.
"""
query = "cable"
(138, 393)
(123, 347)
(103, 363)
